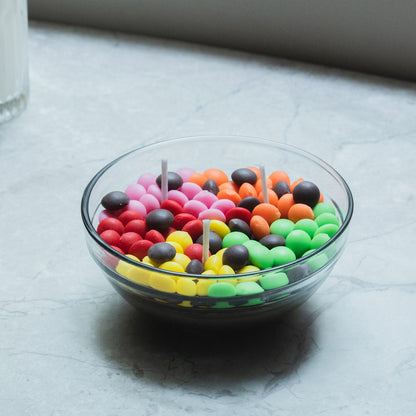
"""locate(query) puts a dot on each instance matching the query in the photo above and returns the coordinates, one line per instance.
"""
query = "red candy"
(154, 236)
(181, 219)
(111, 237)
(136, 226)
(140, 248)
(169, 231)
(194, 228)
(130, 215)
(172, 206)
(127, 240)
(194, 251)
(240, 213)
(110, 224)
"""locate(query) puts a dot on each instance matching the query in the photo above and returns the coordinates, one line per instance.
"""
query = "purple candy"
(135, 191)
(194, 208)
(206, 197)
(212, 214)
(150, 202)
(147, 179)
(185, 173)
(155, 191)
(178, 197)
(223, 205)
(190, 189)
(137, 206)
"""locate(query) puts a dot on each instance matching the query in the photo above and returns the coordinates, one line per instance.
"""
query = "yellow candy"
(146, 260)
(178, 247)
(185, 304)
(140, 276)
(163, 283)
(172, 266)
(181, 259)
(213, 262)
(226, 270)
(248, 269)
(221, 228)
(203, 285)
(210, 272)
(180, 237)
(234, 282)
(186, 286)
(123, 267)
(219, 253)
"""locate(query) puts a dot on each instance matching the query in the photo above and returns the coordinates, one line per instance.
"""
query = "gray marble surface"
(71, 346)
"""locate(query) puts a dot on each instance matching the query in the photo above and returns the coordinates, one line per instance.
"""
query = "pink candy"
(212, 214)
(190, 189)
(206, 197)
(178, 197)
(150, 202)
(147, 179)
(155, 191)
(135, 191)
(185, 173)
(137, 206)
(223, 205)
(194, 208)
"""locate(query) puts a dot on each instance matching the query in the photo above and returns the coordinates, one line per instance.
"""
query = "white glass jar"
(14, 80)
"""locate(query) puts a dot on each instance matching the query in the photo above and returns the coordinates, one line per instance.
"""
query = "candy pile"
(248, 231)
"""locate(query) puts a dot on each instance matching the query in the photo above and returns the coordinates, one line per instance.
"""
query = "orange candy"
(228, 185)
(246, 189)
(284, 204)
(257, 185)
(279, 175)
(229, 194)
(217, 175)
(321, 198)
(300, 211)
(273, 199)
(198, 178)
(292, 186)
(268, 211)
(259, 227)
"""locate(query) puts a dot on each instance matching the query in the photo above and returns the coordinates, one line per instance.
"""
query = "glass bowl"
(143, 289)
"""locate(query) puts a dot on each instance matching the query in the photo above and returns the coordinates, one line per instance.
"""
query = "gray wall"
(377, 36)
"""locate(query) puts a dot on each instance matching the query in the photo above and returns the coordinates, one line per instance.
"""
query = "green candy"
(282, 255)
(322, 208)
(273, 280)
(326, 218)
(282, 227)
(248, 288)
(253, 302)
(221, 290)
(298, 241)
(317, 261)
(329, 229)
(235, 237)
(319, 240)
(222, 305)
(260, 256)
(307, 225)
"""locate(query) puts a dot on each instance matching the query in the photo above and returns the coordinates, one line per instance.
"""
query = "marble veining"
(71, 346)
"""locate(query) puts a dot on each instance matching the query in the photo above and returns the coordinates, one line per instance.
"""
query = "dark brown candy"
(194, 267)
(249, 202)
(239, 176)
(273, 240)
(115, 200)
(281, 188)
(306, 193)
(236, 224)
(175, 181)
(211, 186)
(159, 219)
(161, 252)
(235, 256)
(215, 242)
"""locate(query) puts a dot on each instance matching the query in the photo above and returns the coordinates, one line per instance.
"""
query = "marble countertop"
(71, 346)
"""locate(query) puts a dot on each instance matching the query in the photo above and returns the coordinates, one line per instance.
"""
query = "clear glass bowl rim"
(94, 235)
